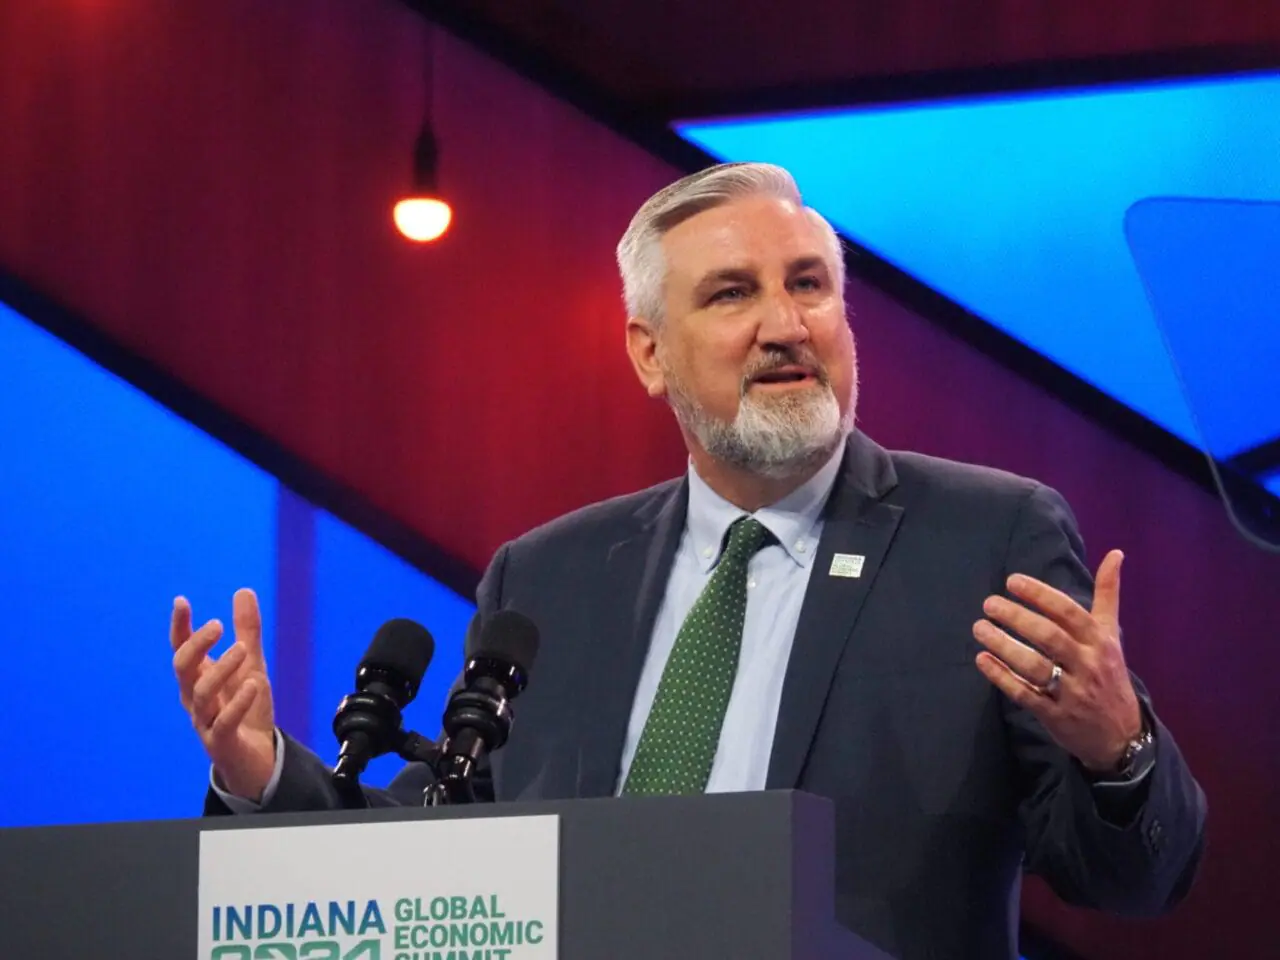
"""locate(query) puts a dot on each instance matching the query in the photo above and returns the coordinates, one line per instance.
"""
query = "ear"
(642, 348)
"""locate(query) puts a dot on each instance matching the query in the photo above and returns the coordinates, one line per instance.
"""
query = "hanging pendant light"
(423, 215)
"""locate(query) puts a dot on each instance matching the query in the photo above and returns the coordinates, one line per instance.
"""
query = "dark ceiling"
(663, 59)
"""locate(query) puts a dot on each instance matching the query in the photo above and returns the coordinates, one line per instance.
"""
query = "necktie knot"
(746, 536)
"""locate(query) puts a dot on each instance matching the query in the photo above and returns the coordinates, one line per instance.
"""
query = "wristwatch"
(1139, 755)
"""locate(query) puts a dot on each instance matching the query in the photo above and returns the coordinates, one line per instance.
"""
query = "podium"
(746, 876)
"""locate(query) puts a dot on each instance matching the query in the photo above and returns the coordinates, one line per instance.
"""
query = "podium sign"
(466, 889)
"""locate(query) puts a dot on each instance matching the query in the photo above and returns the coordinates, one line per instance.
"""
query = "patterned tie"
(680, 736)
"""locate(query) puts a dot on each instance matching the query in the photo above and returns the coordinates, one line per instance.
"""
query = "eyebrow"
(804, 264)
(727, 275)
(748, 275)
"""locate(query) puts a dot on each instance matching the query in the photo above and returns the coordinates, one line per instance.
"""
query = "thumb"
(1106, 591)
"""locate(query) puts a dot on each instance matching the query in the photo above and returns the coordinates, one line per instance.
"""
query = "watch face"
(1139, 756)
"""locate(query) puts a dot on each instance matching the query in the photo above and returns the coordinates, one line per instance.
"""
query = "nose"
(783, 321)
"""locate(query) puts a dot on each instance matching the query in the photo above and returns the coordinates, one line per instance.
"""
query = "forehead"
(759, 232)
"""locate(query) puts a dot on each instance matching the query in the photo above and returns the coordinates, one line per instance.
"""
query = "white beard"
(772, 436)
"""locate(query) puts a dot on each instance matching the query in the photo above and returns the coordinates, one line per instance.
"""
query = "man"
(916, 639)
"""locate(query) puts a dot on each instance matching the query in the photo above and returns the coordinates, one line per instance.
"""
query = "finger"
(1041, 632)
(1020, 658)
(1106, 590)
(1013, 686)
(228, 720)
(205, 699)
(179, 623)
(248, 622)
(192, 657)
(1054, 604)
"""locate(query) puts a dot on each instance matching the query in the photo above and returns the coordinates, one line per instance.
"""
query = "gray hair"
(640, 259)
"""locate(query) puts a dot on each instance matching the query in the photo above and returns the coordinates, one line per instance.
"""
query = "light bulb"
(422, 218)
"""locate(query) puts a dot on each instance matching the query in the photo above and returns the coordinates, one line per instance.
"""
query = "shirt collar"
(793, 520)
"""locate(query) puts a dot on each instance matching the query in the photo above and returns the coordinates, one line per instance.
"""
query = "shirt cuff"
(1113, 786)
(240, 804)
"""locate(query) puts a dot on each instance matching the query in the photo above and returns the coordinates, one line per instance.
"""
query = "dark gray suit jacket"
(943, 789)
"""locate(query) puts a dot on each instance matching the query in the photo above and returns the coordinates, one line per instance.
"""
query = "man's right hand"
(229, 699)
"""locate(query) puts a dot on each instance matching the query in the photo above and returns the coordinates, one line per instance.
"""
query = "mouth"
(792, 375)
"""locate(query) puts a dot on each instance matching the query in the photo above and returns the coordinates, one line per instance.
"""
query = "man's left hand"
(1091, 710)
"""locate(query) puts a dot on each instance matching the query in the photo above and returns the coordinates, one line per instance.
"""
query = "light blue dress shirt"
(777, 577)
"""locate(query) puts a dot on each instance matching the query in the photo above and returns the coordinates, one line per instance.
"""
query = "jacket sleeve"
(305, 784)
(1143, 860)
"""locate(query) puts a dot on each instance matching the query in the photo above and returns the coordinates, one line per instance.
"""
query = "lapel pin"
(847, 565)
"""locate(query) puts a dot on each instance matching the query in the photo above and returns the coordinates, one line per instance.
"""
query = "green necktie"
(680, 736)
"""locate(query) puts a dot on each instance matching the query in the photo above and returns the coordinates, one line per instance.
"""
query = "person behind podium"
(917, 639)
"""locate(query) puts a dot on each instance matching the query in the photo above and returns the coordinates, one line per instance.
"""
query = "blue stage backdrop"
(110, 505)
(1013, 205)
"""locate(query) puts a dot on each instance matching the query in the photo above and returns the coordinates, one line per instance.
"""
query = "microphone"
(368, 722)
(478, 717)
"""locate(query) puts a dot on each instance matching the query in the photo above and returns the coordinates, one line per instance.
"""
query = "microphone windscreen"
(508, 636)
(403, 647)
(472, 640)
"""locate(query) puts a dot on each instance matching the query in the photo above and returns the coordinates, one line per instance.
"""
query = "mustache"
(778, 357)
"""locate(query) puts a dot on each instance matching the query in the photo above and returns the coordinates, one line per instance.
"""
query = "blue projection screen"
(110, 505)
(1013, 205)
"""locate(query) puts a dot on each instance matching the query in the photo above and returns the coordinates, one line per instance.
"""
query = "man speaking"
(916, 639)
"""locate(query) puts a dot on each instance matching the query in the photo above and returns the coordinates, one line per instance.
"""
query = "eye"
(809, 283)
(728, 293)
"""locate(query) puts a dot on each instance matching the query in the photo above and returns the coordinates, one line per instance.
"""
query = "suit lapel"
(622, 622)
(856, 524)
